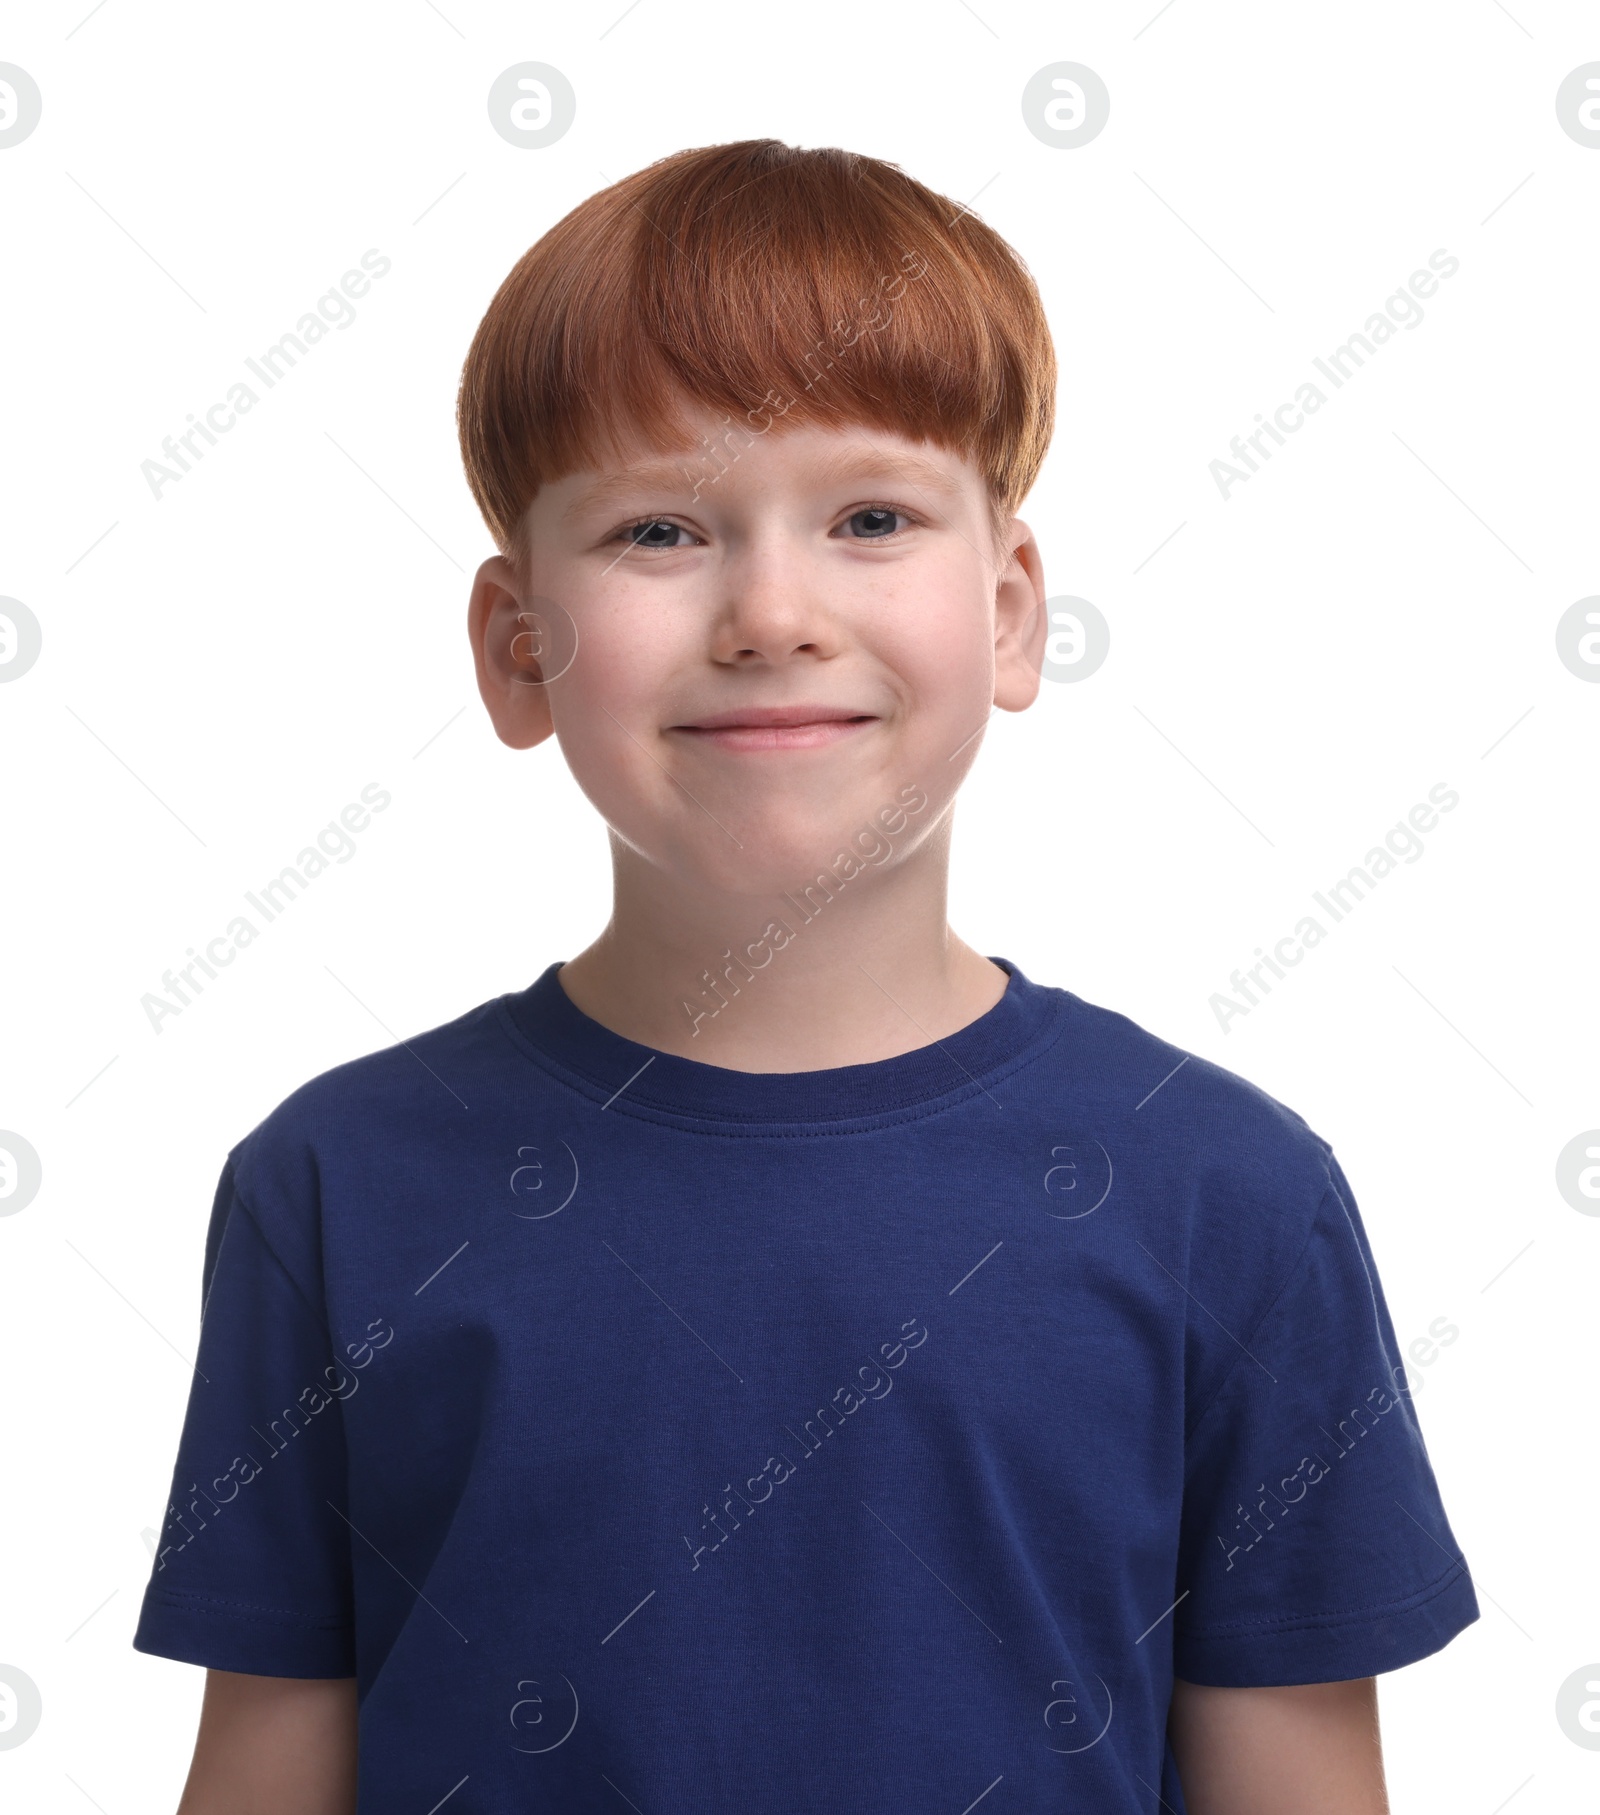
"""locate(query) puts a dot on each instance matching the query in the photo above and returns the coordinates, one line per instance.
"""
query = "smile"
(777, 727)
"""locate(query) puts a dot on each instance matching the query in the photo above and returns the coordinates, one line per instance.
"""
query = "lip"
(801, 727)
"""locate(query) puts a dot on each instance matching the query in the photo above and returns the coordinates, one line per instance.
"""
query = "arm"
(1312, 1749)
(274, 1745)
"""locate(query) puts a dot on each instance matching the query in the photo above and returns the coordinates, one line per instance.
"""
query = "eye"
(876, 523)
(652, 533)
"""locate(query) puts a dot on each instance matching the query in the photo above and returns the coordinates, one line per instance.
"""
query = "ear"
(1021, 623)
(511, 649)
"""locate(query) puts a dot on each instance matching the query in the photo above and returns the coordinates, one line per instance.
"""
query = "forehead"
(725, 457)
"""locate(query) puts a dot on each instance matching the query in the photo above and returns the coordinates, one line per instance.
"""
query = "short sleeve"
(1314, 1544)
(252, 1572)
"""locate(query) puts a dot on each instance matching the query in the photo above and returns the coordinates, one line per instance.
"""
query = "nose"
(774, 607)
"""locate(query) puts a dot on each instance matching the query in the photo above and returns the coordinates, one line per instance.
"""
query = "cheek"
(630, 649)
(607, 706)
(944, 651)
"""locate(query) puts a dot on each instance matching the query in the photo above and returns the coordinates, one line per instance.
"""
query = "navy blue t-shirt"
(644, 1433)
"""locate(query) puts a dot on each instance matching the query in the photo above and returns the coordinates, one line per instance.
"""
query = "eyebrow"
(678, 477)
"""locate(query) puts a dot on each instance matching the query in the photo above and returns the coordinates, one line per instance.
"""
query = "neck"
(801, 980)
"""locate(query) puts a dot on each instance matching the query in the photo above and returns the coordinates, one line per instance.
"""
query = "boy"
(783, 1360)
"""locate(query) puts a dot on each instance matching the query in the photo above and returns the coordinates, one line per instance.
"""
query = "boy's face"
(774, 650)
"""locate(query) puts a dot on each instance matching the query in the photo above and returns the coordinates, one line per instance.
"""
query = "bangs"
(772, 286)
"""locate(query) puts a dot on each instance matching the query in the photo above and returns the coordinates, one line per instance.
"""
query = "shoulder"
(370, 1116)
(1231, 1175)
(1176, 1098)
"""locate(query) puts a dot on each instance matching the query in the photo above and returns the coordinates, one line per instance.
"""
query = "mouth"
(802, 727)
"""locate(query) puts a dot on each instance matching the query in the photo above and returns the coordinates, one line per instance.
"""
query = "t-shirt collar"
(624, 1075)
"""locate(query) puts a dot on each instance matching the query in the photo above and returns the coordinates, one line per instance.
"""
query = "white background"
(1373, 613)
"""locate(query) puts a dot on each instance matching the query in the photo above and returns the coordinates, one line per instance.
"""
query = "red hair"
(766, 283)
